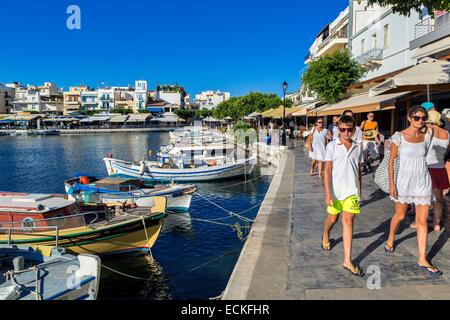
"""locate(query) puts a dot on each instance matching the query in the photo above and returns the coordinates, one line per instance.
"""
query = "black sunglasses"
(417, 118)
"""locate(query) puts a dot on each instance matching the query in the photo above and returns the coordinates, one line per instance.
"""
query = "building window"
(386, 37)
(363, 44)
(374, 41)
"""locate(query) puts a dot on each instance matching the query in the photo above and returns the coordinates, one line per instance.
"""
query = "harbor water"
(195, 253)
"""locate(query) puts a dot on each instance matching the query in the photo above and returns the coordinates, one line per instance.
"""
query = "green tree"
(238, 107)
(185, 114)
(405, 7)
(329, 76)
(204, 113)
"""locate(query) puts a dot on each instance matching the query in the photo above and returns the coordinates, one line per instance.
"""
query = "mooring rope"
(225, 210)
(172, 278)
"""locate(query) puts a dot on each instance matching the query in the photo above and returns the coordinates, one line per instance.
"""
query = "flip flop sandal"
(389, 249)
(326, 246)
(356, 271)
(435, 273)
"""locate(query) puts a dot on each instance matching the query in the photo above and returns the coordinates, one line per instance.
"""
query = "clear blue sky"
(231, 45)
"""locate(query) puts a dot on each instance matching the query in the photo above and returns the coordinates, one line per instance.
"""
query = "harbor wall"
(271, 228)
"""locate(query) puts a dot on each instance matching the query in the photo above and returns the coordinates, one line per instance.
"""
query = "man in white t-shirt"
(343, 159)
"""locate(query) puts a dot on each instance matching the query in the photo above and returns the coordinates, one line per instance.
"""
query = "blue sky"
(233, 45)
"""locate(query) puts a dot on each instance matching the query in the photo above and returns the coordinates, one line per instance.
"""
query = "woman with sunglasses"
(413, 185)
(317, 154)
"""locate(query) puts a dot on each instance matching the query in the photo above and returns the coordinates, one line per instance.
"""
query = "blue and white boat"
(47, 274)
(179, 170)
(112, 190)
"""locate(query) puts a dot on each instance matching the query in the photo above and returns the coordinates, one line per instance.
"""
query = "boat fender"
(142, 169)
(110, 155)
(84, 180)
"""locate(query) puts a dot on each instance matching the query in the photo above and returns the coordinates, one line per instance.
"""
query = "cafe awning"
(119, 119)
(361, 103)
(428, 73)
(139, 117)
(278, 113)
(95, 119)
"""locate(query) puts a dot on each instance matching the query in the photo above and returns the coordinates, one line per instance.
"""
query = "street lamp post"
(283, 134)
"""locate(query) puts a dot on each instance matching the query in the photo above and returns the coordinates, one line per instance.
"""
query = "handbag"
(309, 141)
(381, 177)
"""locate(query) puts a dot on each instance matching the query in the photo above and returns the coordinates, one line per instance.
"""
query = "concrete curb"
(261, 270)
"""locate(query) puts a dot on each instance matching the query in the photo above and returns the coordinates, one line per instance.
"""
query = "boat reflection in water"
(180, 222)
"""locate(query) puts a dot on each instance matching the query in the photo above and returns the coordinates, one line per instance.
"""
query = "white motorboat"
(179, 170)
(46, 273)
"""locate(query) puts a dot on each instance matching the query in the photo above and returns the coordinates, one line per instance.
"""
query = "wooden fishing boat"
(55, 220)
(174, 170)
(132, 191)
(51, 274)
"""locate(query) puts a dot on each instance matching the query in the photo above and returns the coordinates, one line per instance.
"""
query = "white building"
(173, 95)
(333, 37)
(380, 39)
(140, 95)
(106, 99)
(27, 100)
(211, 99)
(432, 36)
(89, 100)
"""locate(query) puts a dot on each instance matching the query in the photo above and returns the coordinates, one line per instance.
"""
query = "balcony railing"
(341, 34)
(373, 56)
(429, 25)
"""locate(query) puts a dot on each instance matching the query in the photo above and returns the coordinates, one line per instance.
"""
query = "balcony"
(371, 59)
(336, 41)
(431, 30)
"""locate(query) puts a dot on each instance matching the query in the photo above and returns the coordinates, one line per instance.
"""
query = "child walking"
(343, 159)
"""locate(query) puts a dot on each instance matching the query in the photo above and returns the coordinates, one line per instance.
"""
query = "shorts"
(439, 178)
(351, 205)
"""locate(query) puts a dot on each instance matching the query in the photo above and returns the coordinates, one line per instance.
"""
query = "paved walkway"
(288, 262)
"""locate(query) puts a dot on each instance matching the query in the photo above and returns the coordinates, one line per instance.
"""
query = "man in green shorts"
(343, 159)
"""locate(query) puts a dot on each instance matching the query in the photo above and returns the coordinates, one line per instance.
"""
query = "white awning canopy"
(139, 117)
(119, 119)
(427, 73)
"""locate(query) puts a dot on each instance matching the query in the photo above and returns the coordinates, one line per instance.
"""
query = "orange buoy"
(84, 180)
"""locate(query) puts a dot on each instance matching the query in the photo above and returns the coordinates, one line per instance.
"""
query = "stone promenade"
(282, 258)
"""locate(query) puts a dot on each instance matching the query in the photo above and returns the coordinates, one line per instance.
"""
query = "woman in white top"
(317, 153)
(413, 185)
(436, 165)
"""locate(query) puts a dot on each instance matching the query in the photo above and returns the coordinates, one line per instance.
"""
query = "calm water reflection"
(193, 259)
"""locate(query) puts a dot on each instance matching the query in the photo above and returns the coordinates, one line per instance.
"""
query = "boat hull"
(202, 174)
(127, 233)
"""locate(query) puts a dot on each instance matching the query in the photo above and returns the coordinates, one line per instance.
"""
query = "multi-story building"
(106, 99)
(173, 95)
(49, 88)
(89, 100)
(211, 99)
(7, 95)
(141, 95)
(52, 103)
(333, 37)
(72, 98)
(432, 36)
(27, 100)
(380, 39)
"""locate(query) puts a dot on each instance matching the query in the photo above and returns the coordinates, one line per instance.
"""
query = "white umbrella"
(426, 74)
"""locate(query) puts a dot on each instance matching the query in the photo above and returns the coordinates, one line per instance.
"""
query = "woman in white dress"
(413, 185)
(317, 153)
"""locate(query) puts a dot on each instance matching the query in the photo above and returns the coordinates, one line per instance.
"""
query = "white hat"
(446, 112)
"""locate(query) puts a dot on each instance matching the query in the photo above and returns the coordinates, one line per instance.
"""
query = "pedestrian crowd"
(414, 169)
